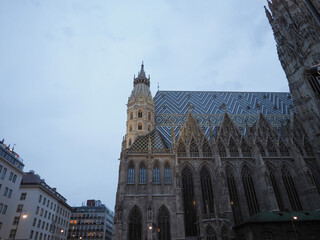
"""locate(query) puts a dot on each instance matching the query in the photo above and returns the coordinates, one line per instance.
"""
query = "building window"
(31, 234)
(39, 223)
(37, 210)
(284, 150)
(291, 190)
(224, 233)
(4, 210)
(156, 174)
(206, 150)
(210, 234)
(246, 152)
(5, 191)
(276, 190)
(163, 223)
(233, 148)
(44, 201)
(19, 208)
(16, 221)
(40, 197)
(222, 149)
(140, 114)
(142, 174)
(10, 176)
(139, 126)
(131, 173)
(9, 193)
(12, 233)
(189, 203)
(167, 174)
(14, 178)
(41, 212)
(149, 128)
(23, 196)
(207, 191)
(3, 174)
(131, 115)
(261, 149)
(249, 191)
(135, 226)
(194, 151)
(34, 222)
(130, 128)
(271, 149)
(181, 149)
(149, 115)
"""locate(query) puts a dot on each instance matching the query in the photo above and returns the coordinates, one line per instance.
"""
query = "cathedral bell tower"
(140, 109)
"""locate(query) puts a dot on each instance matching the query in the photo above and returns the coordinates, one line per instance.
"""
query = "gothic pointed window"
(142, 173)
(189, 203)
(130, 128)
(207, 191)
(181, 149)
(308, 148)
(276, 191)
(284, 150)
(206, 150)
(210, 233)
(233, 148)
(139, 114)
(131, 115)
(139, 126)
(233, 194)
(135, 226)
(224, 233)
(131, 173)
(167, 174)
(250, 192)
(246, 152)
(261, 149)
(222, 149)
(194, 151)
(271, 149)
(291, 190)
(156, 173)
(163, 224)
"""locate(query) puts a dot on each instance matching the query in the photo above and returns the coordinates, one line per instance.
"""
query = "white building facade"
(11, 172)
(47, 212)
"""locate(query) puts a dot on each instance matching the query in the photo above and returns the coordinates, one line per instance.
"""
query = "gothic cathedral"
(228, 165)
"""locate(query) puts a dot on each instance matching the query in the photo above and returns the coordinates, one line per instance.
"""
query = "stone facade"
(210, 163)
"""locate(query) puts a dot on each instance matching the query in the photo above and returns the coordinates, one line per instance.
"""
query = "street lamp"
(24, 216)
(294, 218)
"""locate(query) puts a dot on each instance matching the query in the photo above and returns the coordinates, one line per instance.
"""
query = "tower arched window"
(142, 173)
(246, 152)
(276, 190)
(189, 203)
(139, 126)
(233, 194)
(149, 115)
(206, 150)
(131, 173)
(156, 173)
(135, 226)
(139, 114)
(131, 115)
(233, 148)
(130, 128)
(207, 191)
(163, 224)
(250, 192)
(271, 149)
(222, 149)
(210, 233)
(291, 190)
(181, 149)
(167, 173)
(130, 142)
(194, 151)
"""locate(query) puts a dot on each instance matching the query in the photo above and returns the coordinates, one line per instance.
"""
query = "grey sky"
(66, 72)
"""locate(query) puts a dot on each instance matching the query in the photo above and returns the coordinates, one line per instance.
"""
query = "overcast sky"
(67, 66)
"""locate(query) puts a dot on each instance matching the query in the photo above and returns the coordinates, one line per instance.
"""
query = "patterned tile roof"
(171, 107)
(142, 142)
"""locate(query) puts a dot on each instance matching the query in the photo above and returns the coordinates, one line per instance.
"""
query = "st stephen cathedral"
(228, 165)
